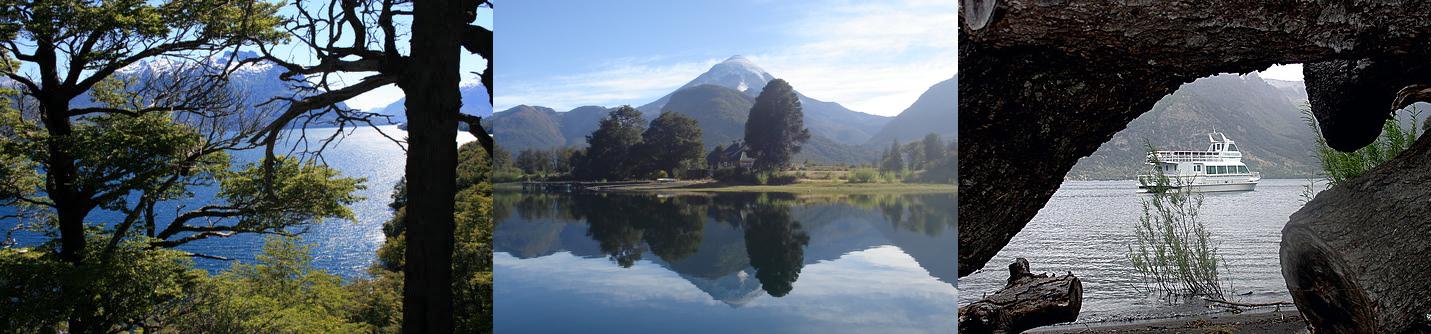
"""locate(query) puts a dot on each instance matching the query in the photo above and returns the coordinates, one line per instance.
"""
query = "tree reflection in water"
(624, 227)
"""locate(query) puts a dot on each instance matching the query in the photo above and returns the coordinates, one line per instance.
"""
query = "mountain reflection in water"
(758, 254)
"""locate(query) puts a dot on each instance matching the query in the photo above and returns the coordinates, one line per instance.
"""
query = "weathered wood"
(1028, 301)
(1045, 83)
(1355, 257)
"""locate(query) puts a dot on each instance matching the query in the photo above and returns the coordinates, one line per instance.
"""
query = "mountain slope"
(719, 100)
(827, 118)
(936, 111)
(524, 127)
(1264, 120)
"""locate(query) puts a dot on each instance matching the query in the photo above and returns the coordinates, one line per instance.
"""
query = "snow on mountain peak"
(735, 72)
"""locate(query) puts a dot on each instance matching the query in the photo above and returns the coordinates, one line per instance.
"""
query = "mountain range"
(1263, 116)
(720, 100)
(259, 82)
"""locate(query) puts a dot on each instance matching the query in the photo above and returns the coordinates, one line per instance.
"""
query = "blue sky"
(872, 56)
(375, 99)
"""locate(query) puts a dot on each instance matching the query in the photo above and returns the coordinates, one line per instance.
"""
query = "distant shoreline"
(803, 187)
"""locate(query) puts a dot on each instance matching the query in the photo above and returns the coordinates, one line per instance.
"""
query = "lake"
(345, 248)
(1086, 228)
(724, 263)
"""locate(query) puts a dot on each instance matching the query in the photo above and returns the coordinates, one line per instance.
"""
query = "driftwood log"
(1028, 301)
(1355, 258)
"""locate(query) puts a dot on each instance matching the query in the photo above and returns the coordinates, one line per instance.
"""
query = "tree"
(534, 161)
(933, 149)
(776, 128)
(892, 162)
(672, 142)
(361, 36)
(131, 163)
(914, 155)
(609, 151)
(472, 265)
(73, 46)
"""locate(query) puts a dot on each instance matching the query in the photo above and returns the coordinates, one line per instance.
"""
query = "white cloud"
(625, 81)
(872, 57)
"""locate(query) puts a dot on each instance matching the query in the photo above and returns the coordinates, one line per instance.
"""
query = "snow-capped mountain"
(474, 102)
(838, 123)
(737, 73)
(257, 82)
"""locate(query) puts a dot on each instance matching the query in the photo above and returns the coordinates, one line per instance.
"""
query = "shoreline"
(1252, 321)
(802, 187)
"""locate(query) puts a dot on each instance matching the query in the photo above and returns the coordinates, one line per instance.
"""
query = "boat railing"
(1189, 156)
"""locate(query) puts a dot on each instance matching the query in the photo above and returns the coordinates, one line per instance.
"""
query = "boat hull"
(1206, 188)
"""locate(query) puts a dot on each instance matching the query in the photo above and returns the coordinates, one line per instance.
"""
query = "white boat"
(1219, 168)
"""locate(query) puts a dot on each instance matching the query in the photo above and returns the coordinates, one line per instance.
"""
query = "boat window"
(1242, 169)
(1197, 168)
(1232, 147)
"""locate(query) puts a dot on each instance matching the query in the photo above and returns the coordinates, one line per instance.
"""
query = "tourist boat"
(1219, 168)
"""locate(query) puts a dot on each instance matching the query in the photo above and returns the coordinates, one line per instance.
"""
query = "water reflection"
(815, 260)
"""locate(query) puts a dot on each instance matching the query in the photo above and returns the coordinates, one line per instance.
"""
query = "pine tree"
(775, 129)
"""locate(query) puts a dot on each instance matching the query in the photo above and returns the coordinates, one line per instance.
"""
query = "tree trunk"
(1028, 301)
(432, 105)
(1354, 258)
(1045, 83)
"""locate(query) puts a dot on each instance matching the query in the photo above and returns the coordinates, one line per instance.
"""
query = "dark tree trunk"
(1044, 83)
(1028, 301)
(433, 100)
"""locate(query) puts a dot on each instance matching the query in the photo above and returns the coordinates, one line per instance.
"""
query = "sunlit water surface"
(728, 263)
(1087, 226)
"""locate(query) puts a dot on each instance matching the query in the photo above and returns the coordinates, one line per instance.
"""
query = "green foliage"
(126, 290)
(609, 153)
(863, 175)
(775, 129)
(893, 160)
(1173, 249)
(673, 142)
(472, 254)
(1340, 166)
(301, 193)
(281, 293)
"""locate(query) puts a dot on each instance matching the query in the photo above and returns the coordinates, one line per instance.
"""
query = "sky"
(375, 99)
(871, 56)
(382, 97)
(1289, 72)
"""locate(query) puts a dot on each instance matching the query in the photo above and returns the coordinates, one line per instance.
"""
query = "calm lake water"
(1086, 227)
(345, 248)
(727, 263)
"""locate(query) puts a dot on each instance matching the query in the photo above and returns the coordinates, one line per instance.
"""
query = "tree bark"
(1354, 258)
(1028, 301)
(1045, 83)
(433, 101)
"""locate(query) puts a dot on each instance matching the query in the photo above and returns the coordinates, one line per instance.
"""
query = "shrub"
(1174, 250)
(863, 175)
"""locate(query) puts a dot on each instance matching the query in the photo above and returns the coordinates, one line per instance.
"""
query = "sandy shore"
(1274, 322)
